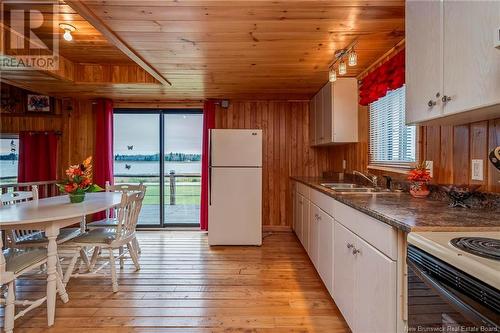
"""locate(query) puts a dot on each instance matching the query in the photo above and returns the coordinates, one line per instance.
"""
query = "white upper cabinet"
(318, 130)
(312, 121)
(452, 65)
(336, 113)
(471, 61)
(424, 54)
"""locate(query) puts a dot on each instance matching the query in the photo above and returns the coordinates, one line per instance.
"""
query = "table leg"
(52, 281)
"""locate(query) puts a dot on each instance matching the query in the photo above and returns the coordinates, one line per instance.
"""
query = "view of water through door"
(161, 149)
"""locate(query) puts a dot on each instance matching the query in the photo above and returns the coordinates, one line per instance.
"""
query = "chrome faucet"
(371, 178)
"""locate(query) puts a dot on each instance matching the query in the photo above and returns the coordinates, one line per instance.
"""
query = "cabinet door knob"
(445, 99)
(350, 246)
(355, 251)
(431, 103)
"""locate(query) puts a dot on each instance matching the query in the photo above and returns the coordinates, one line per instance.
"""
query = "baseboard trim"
(276, 228)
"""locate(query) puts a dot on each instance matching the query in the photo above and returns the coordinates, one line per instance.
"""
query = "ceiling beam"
(111, 36)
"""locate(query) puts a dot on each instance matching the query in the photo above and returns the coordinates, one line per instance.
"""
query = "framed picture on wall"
(39, 103)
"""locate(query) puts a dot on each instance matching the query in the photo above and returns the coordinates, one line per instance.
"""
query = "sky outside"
(183, 133)
(5, 146)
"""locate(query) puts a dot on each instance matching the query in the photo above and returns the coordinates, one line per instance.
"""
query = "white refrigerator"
(235, 187)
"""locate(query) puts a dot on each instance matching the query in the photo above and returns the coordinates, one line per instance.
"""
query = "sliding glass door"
(182, 168)
(162, 149)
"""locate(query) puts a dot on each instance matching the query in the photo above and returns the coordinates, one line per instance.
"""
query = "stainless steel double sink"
(351, 188)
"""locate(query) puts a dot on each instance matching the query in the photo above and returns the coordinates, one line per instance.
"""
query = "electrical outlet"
(430, 167)
(344, 164)
(477, 170)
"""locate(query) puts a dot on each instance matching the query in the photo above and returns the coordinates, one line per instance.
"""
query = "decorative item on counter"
(459, 193)
(79, 181)
(495, 157)
(419, 177)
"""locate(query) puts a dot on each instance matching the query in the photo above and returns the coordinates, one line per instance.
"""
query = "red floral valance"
(389, 76)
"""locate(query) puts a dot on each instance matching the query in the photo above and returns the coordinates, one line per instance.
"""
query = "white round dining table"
(50, 215)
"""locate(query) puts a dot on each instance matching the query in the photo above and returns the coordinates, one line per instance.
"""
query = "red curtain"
(389, 76)
(37, 157)
(208, 123)
(103, 159)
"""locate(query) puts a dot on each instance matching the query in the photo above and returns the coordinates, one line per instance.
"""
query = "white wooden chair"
(31, 238)
(110, 220)
(111, 239)
(15, 262)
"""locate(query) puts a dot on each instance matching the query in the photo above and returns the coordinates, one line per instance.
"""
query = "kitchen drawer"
(303, 190)
(378, 234)
(322, 201)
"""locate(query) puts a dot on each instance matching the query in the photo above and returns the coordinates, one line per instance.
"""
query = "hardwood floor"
(186, 286)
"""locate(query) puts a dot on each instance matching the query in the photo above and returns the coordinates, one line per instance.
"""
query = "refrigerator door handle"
(209, 148)
(210, 186)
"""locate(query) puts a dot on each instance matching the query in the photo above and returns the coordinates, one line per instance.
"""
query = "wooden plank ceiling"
(242, 49)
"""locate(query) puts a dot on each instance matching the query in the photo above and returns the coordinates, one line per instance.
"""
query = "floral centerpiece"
(419, 178)
(79, 181)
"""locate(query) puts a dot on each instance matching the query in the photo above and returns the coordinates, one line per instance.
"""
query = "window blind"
(392, 143)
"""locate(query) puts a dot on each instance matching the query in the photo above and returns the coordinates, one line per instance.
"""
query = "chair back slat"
(128, 213)
(11, 198)
(122, 188)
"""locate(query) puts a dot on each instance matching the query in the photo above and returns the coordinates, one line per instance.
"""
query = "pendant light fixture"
(353, 58)
(340, 55)
(332, 75)
(68, 29)
(342, 67)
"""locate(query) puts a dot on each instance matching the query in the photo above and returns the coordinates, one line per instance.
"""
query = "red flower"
(84, 183)
(71, 187)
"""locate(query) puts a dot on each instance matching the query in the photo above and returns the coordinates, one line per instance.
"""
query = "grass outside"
(187, 189)
(184, 194)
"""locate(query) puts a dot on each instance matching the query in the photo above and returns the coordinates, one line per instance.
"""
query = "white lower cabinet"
(344, 272)
(325, 249)
(297, 214)
(356, 257)
(375, 296)
(364, 284)
(305, 222)
(314, 235)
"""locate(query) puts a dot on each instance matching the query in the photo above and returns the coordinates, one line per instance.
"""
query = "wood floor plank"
(186, 286)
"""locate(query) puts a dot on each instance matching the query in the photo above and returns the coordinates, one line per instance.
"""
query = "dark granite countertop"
(403, 211)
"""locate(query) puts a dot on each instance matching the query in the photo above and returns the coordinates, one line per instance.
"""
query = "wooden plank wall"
(286, 150)
(451, 148)
(77, 127)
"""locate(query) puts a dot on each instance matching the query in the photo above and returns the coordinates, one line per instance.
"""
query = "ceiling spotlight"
(342, 68)
(332, 75)
(353, 58)
(68, 29)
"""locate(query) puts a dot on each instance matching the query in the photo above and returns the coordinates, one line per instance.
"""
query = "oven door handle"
(468, 311)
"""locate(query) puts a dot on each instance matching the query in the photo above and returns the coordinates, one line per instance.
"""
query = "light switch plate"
(344, 164)
(430, 167)
(477, 170)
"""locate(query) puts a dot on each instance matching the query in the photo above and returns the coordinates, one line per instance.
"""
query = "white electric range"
(454, 281)
(483, 267)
